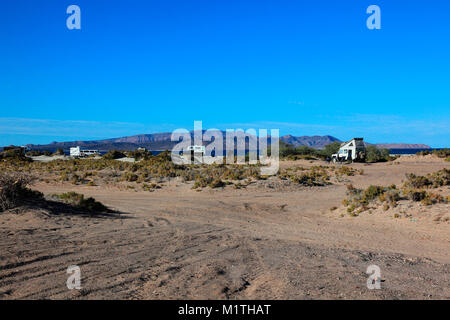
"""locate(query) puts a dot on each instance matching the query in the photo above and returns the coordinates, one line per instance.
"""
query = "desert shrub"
(331, 149)
(374, 154)
(442, 153)
(351, 190)
(113, 154)
(392, 196)
(290, 152)
(216, 183)
(14, 190)
(78, 200)
(36, 153)
(316, 176)
(440, 178)
(412, 189)
(359, 199)
(431, 180)
(139, 154)
(59, 152)
(414, 181)
(14, 154)
(201, 182)
(92, 205)
(130, 177)
(70, 197)
(372, 192)
(150, 187)
(415, 195)
(344, 170)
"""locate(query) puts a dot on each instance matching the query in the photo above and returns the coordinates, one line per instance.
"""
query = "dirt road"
(259, 242)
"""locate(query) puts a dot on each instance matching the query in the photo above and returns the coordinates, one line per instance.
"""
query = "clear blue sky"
(304, 67)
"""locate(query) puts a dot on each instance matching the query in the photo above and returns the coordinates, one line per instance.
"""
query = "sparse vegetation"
(331, 149)
(315, 176)
(14, 190)
(139, 154)
(114, 154)
(14, 154)
(59, 152)
(348, 171)
(374, 154)
(289, 152)
(414, 189)
(441, 153)
(78, 200)
(151, 169)
(35, 153)
(433, 180)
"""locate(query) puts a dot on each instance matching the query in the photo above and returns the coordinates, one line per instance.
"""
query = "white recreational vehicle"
(76, 152)
(353, 150)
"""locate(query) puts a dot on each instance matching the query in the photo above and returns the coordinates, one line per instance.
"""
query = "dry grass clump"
(347, 171)
(219, 175)
(77, 200)
(14, 190)
(315, 176)
(414, 189)
(360, 199)
(431, 180)
(150, 187)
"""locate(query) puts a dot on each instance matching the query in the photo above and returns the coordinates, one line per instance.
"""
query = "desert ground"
(265, 241)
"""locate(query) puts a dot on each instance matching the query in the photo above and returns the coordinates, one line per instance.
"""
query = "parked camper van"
(353, 150)
(76, 152)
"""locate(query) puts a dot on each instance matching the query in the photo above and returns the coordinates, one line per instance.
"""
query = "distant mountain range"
(317, 142)
(161, 141)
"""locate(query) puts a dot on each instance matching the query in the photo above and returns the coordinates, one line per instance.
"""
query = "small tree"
(374, 154)
(331, 149)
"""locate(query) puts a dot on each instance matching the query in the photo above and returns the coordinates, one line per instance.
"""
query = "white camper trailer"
(76, 152)
(353, 150)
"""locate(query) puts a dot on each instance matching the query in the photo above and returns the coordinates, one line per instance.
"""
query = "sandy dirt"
(254, 243)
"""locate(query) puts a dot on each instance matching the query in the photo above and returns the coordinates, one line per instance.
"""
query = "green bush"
(372, 192)
(78, 200)
(113, 155)
(374, 154)
(331, 149)
(14, 154)
(290, 152)
(139, 154)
